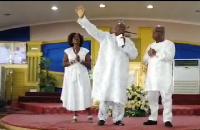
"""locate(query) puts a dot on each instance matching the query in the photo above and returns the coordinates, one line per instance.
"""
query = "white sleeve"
(92, 30)
(146, 56)
(66, 50)
(130, 49)
(168, 54)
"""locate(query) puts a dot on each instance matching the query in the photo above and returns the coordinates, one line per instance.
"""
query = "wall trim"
(59, 41)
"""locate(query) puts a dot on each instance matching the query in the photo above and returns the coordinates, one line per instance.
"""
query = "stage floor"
(63, 122)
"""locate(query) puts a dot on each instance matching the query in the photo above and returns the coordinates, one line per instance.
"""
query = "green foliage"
(47, 80)
(137, 104)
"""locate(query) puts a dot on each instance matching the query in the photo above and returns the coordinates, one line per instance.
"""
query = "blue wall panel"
(55, 51)
(187, 51)
(16, 34)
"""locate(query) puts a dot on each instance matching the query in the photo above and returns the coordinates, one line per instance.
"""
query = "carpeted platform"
(46, 115)
(56, 108)
(63, 122)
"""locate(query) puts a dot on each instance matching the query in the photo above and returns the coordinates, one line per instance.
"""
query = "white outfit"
(111, 71)
(159, 78)
(117, 110)
(76, 91)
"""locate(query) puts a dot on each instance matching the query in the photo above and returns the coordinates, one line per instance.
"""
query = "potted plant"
(47, 81)
(136, 105)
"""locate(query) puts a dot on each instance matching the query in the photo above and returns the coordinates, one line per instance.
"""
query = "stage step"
(56, 94)
(40, 99)
(186, 99)
(56, 108)
(177, 99)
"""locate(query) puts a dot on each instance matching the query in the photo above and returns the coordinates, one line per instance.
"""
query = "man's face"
(120, 28)
(157, 33)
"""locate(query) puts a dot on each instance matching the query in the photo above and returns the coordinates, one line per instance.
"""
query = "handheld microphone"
(130, 32)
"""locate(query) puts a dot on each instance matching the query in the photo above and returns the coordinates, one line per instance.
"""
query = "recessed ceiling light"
(54, 8)
(7, 14)
(197, 11)
(150, 6)
(102, 5)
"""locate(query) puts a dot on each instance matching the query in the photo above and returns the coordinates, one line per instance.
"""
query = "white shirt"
(159, 73)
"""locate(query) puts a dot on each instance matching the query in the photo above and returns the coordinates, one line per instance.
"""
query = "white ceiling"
(24, 13)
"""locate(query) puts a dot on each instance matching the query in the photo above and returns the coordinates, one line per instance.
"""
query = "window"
(13, 53)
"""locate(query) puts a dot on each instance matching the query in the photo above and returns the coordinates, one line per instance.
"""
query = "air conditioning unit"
(186, 76)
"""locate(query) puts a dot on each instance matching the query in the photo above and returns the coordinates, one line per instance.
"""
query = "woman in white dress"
(76, 91)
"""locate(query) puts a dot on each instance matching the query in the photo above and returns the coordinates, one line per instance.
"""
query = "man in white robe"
(111, 71)
(159, 58)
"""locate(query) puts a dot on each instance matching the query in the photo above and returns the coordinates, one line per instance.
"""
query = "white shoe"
(74, 119)
(90, 119)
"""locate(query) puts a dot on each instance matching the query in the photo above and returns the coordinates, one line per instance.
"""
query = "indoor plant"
(46, 80)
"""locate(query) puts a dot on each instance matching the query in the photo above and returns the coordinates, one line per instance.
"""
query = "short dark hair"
(71, 36)
(160, 29)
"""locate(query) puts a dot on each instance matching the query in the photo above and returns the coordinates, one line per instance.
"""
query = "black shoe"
(150, 122)
(120, 123)
(168, 124)
(101, 122)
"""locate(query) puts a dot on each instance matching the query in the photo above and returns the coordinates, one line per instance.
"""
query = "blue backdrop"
(16, 34)
(187, 51)
(55, 51)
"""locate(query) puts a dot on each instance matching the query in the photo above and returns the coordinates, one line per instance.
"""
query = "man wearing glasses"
(159, 57)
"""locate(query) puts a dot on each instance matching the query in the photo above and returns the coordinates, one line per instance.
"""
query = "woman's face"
(76, 39)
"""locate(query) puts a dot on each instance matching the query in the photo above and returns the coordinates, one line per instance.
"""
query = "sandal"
(74, 119)
(90, 119)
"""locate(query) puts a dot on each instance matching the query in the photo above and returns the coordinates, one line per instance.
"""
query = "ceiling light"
(150, 6)
(7, 14)
(54, 8)
(102, 5)
(197, 11)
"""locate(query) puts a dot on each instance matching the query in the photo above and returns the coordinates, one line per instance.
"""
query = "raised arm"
(89, 27)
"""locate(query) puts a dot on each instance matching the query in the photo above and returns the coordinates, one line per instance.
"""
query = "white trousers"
(152, 97)
(117, 110)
